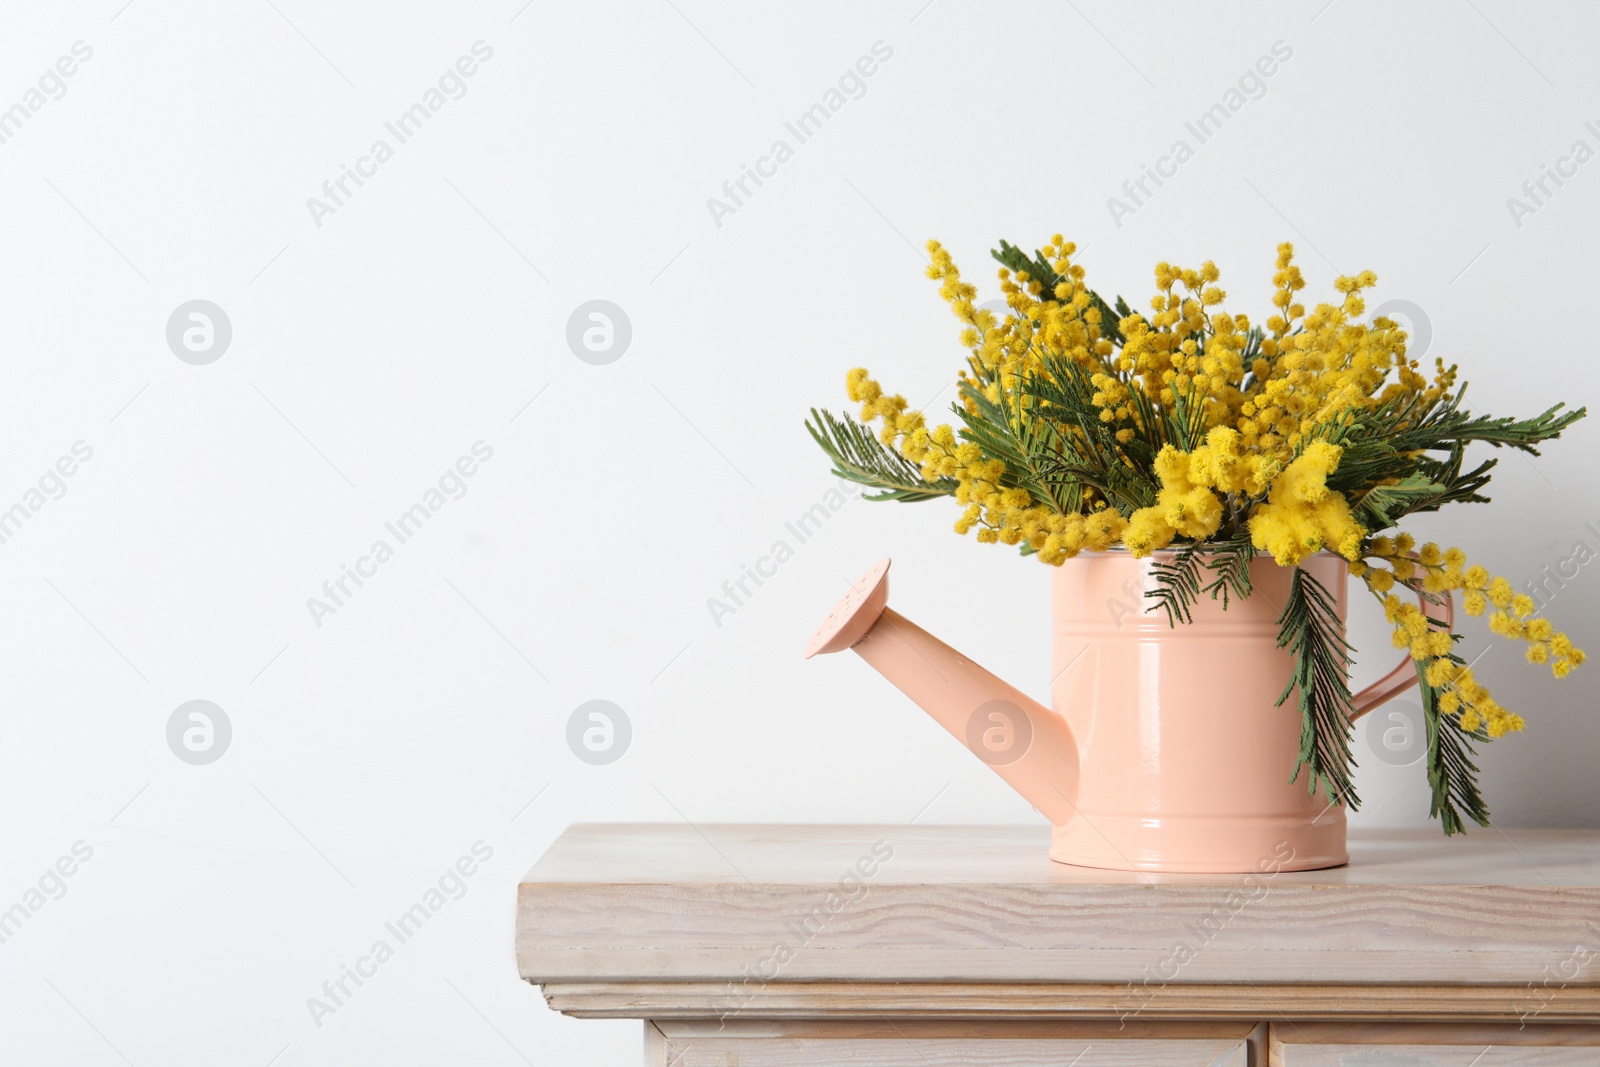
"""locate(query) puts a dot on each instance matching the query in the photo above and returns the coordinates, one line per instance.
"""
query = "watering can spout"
(1026, 743)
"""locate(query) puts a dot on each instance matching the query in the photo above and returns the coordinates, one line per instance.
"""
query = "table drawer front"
(924, 1043)
(988, 1052)
(1434, 1056)
(1433, 1045)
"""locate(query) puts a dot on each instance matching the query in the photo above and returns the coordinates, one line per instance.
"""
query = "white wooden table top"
(627, 903)
(789, 854)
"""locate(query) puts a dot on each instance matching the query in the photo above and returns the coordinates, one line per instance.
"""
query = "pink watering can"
(1166, 750)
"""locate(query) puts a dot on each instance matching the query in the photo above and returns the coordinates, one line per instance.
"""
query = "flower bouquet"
(1208, 439)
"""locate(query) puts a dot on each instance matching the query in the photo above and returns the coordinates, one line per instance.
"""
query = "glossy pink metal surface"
(1023, 741)
(1186, 758)
(1166, 750)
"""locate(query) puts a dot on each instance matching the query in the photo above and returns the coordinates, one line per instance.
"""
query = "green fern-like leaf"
(1180, 584)
(1382, 444)
(860, 457)
(1452, 776)
(1039, 269)
(1089, 452)
(1230, 570)
(1177, 584)
(1030, 448)
(1383, 506)
(1309, 628)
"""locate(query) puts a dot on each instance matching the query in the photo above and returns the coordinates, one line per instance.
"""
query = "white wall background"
(429, 312)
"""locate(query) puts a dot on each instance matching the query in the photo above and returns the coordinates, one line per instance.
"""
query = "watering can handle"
(1404, 676)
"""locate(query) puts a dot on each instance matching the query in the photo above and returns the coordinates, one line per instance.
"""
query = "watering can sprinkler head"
(855, 613)
(1026, 743)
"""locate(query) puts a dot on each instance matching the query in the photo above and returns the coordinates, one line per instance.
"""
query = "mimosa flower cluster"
(1262, 398)
(1444, 572)
(1206, 436)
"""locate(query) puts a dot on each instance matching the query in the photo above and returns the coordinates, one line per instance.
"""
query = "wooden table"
(920, 945)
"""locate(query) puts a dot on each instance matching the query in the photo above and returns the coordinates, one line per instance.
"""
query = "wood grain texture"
(1336, 1055)
(1035, 1000)
(885, 1042)
(754, 907)
(883, 1026)
(1399, 1033)
(1413, 1045)
(658, 1052)
(902, 1052)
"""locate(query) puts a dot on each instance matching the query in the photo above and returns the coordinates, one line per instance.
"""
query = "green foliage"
(1230, 566)
(1180, 584)
(1039, 270)
(1035, 267)
(860, 457)
(1087, 452)
(1177, 583)
(1031, 448)
(1386, 471)
(1450, 424)
(1382, 506)
(1310, 629)
(1452, 776)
